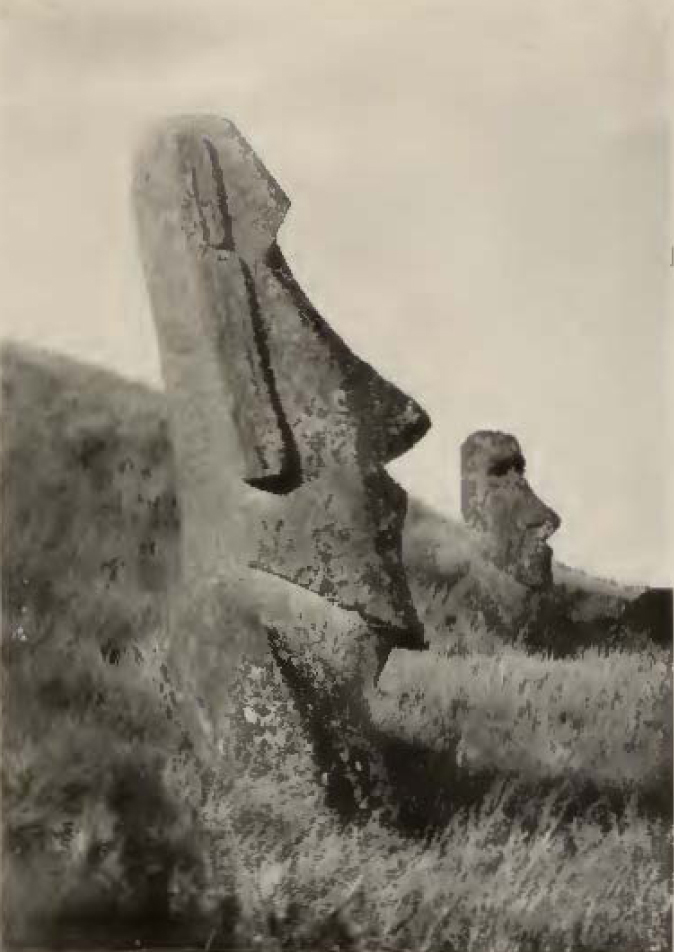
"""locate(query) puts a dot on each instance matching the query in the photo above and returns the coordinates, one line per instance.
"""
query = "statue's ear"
(207, 210)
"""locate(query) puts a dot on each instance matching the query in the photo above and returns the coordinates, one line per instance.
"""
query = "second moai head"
(498, 503)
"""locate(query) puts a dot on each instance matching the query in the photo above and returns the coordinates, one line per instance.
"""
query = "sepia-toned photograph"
(337, 527)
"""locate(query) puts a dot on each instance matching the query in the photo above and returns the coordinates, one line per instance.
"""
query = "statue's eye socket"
(511, 464)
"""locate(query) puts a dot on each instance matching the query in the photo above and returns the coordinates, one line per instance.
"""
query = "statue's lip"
(540, 551)
(413, 431)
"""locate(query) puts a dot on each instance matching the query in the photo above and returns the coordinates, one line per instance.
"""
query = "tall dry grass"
(122, 806)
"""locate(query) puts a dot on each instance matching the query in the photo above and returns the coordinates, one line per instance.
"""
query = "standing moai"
(562, 611)
(281, 436)
(510, 521)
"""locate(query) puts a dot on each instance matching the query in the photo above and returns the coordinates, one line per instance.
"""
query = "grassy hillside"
(126, 813)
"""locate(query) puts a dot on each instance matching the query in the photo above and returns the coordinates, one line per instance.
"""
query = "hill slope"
(119, 812)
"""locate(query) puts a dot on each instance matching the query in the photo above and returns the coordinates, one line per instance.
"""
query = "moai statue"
(281, 436)
(562, 611)
(511, 523)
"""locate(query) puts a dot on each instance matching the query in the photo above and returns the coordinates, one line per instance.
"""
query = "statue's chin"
(534, 569)
(530, 567)
(528, 561)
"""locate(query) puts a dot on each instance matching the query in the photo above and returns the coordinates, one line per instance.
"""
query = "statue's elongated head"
(264, 393)
(498, 502)
(228, 309)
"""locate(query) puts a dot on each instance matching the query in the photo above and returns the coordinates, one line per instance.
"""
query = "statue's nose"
(540, 516)
(552, 522)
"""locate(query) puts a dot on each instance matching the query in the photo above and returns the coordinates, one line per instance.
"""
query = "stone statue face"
(499, 504)
(264, 394)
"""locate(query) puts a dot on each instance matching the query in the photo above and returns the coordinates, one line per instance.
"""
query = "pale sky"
(480, 207)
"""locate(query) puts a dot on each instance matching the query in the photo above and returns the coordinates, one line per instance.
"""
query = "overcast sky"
(480, 208)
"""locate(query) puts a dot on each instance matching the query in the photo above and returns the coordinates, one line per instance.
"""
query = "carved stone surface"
(493, 573)
(511, 522)
(281, 435)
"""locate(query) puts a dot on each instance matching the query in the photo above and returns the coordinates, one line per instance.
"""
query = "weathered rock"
(281, 435)
(468, 602)
(511, 523)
